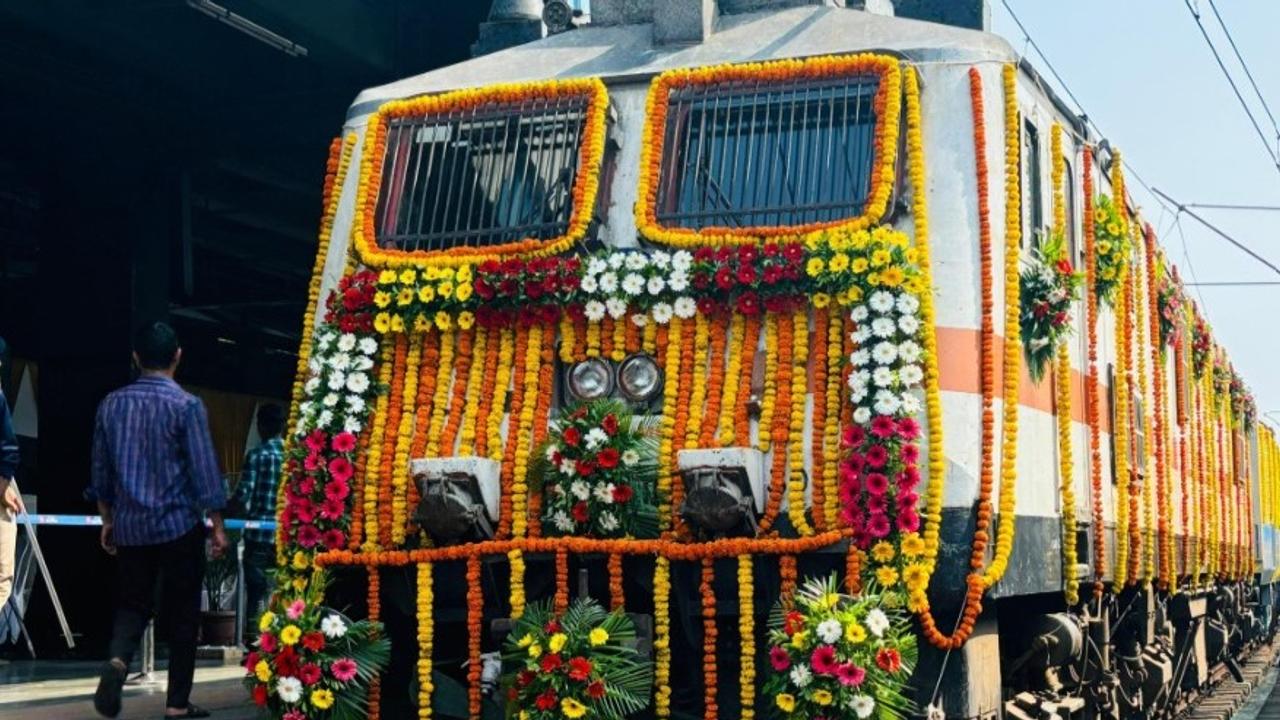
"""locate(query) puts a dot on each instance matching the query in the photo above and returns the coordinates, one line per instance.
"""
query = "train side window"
(765, 154)
(1069, 192)
(1033, 213)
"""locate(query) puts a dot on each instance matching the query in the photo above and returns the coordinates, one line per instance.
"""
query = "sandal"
(193, 711)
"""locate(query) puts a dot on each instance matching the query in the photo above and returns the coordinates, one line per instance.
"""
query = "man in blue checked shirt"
(255, 498)
(154, 475)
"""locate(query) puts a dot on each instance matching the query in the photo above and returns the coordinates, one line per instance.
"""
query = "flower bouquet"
(577, 665)
(837, 656)
(311, 663)
(1049, 287)
(1171, 301)
(597, 472)
(1112, 247)
(1201, 345)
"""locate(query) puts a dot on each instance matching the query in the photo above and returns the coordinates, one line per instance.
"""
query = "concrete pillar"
(683, 21)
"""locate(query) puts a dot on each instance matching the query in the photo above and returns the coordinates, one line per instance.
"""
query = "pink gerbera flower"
(877, 484)
(316, 441)
(878, 505)
(853, 436)
(910, 453)
(295, 609)
(908, 521)
(823, 660)
(313, 462)
(341, 469)
(907, 500)
(343, 670)
(850, 675)
(855, 462)
(909, 478)
(332, 509)
(337, 490)
(334, 539)
(304, 510)
(308, 536)
(294, 715)
(908, 428)
(878, 525)
(267, 643)
(779, 658)
(877, 456)
(883, 426)
(307, 485)
(344, 442)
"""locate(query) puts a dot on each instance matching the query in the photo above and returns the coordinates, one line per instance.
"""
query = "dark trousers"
(259, 557)
(178, 565)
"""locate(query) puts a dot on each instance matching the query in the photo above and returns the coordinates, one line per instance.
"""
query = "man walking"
(255, 497)
(154, 472)
(9, 505)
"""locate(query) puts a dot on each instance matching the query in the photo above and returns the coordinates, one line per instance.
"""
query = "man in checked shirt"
(154, 475)
(255, 497)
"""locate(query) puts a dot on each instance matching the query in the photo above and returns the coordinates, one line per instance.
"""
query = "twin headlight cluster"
(638, 379)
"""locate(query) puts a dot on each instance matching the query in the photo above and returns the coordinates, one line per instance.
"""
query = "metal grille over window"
(486, 176)
(762, 154)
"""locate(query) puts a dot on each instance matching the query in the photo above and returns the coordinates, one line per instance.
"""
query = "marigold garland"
(440, 411)
(779, 427)
(475, 631)
(404, 438)
(746, 637)
(683, 413)
(887, 108)
(1146, 377)
(1164, 503)
(1120, 440)
(768, 397)
(1066, 473)
(1138, 485)
(594, 331)
(358, 489)
(373, 462)
(426, 634)
(541, 417)
(515, 558)
(700, 370)
(662, 637)
(562, 580)
(831, 421)
(798, 478)
(711, 419)
(649, 338)
(585, 184)
(617, 595)
(621, 331)
(566, 338)
(497, 357)
(710, 681)
(374, 596)
(388, 483)
(522, 433)
(1092, 397)
(821, 434)
(507, 503)
(671, 352)
(606, 336)
(732, 382)
(787, 576)
(473, 389)
(747, 347)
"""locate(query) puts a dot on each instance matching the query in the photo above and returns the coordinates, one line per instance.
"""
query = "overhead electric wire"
(1247, 72)
(1230, 80)
(1218, 232)
(1240, 283)
(1226, 206)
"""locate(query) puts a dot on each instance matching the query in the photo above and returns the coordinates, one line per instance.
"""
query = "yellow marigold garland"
(522, 430)
(506, 356)
(426, 634)
(1012, 341)
(516, 559)
(1120, 439)
(831, 428)
(702, 339)
(619, 350)
(1066, 475)
(373, 462)
(670, 348)
(474, 387)
(733, 373)
(404, 438)
(795, 439)
(593, 339)
(770, 381)
(662, 637)
(566, 338)
(1146, 374)
(440, 403)
(747, 637)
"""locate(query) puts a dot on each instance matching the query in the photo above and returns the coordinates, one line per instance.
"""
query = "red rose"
(724, 278)
(533, 290)
(608, 458)
(748, 304)
(586, 467)
(579, 669)
(595, 690)
(547, 700)
(747, 274)
(571, 436)
(704, 254)
(525, 678)
(1064, 266)
(793, 252)
(889, 660)
(793, 623)
(313, 641)
(580, 512)
(260, 695)
(550, 662)
(622, 493)
(609, 424)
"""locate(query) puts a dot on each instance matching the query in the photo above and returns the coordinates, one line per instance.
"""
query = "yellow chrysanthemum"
(427, 293)
(855, 633)
(880, 258)
(855, 295)
(431, 274)
(262, 671)
(397, 324)
(1109, 273)
(300, 583)
(445, 288)
(1104, 247)
(446, 273)
(859, 265)
(572, 708)
(300, 561)
(1113, 229)
(466, 319)
(382, 322)
(525, 641)
(786, 702)
(557, 642)
(915, 576)
(821, 300)
(387, 277)
(443, 321)
(464, 292)
(873, 279)
(913, 285)
(822, 697)
(800, 640)
(382, 298)
(814, 267)
(463, 274)
(912, 255)
(892, 277)
(887, 576)
(1100, 215)
(408, 276)
(404, 297)
(598, 636)
(421, 323)
(917, 602)
(290, 635)
(535, 650)
(266, 621)
(859, 240)
(883, 552)
(838, 263)
(912, 545)
(322, 699)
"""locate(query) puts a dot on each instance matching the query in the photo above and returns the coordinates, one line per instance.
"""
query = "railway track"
(1230, 695)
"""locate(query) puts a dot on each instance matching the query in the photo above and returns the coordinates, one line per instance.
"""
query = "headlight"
(590, 380)
(639, 378)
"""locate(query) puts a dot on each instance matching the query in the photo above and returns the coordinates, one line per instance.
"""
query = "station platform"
(35, 690)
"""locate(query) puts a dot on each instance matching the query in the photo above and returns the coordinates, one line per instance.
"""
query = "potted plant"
(218, 621)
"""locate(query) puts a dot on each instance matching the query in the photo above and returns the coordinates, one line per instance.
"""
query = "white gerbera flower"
(887, 403)
(908, 324)
(330, 400)
(662, 313)
(909, 351)
(858, 395)
(368, 346)
(685, 307)
(615, 260)
(630, 457)
(857, 383)
(337, 381)
(633, 284)
(883, 376)
(911, 374)
(551, 452)
(655, 285)
(333, 627)
(830, 631)
(884, 353)
(358, 382)
(608, 522)
(862, 416)
(588, 284)
(289, 689)
(562, 521)
(352, 425)
(859, 313)
(580, 489)
(877, 622)
(881, 301)
(609, 282)
(908, 304)
(325, 419)
(595, 266)
(595, 438)
(315, 365)
(682, 260)
(636, 261)
(355, 404)
(312, 385)
(911, 404)
(593, 310)
(679, 281)
(617, 307)
(861, 335)
(801, 676)
(883, 327)
(340, 361)
(660, 259)
(860, 357)
(639, 319)
(347, 342)
(604, 493)
(363, 363)
(862, 706)
(306, 408)
(567, 467)
(324, 340)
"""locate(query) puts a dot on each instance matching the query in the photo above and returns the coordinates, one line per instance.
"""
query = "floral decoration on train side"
(312, 663)
(1201, 344)
(579, 664)
(597, 473)
(1050, 287)
(433, 297)
(1171, 303)
(833, 655)
(1111, 239)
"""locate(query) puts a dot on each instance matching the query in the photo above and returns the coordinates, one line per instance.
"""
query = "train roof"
(621, 51)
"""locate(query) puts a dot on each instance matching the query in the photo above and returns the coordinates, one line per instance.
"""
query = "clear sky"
(1147, 78)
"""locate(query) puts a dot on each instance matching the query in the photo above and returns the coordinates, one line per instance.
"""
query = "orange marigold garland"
(374, 708)
(1138, 485)
(497, 357)
(440, 401)
(1092, 396)
(788, 576)
(723, 432)
(541, 419)
(768, 397)
(1120, 439)
(797, 476)
(1062, 404)
(476, 390)
(779, 428)
(710, 681)
(699, 375)
(617, 596)
(475, 631)
(404, 438)
(562, 580)
(373, 462)
(747, 346)
(465, 352)
(387, 480)
(719, 337)
(1167, 574)
(355, 534)
(506, 505)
